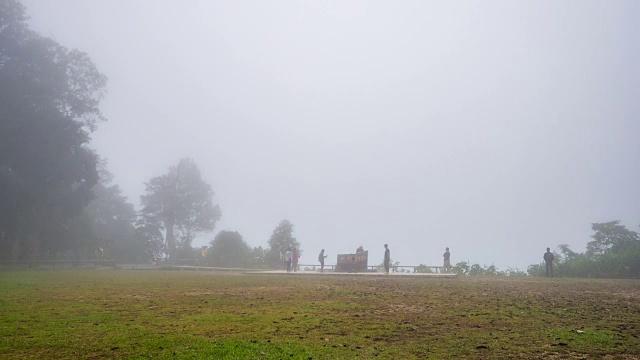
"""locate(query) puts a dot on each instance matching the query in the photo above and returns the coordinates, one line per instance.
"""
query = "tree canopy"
(49, 99)
(181, 203)
(113, 221)
(613, 252)
(228, 249)
(280, 241)
(611, 237)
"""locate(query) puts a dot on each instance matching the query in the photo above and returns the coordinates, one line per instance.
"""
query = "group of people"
(387, 259)
(548, 261)
(291, 259)
(446, 266)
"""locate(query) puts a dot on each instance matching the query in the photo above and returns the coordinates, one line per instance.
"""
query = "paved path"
(333, 273)
(310, 273)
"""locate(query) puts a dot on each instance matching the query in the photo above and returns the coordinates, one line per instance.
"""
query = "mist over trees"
(228, 249)
(58, 200)
(613, 252)
(280, 241)
(114, 223)
(49, 99)
(56, 196)
(180, 203)
(55, 199)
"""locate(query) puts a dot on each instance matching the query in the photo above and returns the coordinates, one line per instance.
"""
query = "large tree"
(181, 203)
(280, 241)
(49, 99)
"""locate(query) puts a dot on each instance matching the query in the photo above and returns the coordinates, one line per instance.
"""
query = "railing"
(437, 269)
(431, 269)
(316, 267)
(180, 262)
(61, 264)
(53, 264)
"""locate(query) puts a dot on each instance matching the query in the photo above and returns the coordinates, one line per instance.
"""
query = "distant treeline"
(613, 252)
(49, 99)
(57, 200)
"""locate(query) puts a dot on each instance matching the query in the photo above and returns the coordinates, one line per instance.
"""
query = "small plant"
(422, 269)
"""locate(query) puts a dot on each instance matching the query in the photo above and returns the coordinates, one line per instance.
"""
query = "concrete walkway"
(306, 273)
(333, 273)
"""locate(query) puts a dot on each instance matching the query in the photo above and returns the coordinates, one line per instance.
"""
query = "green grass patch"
(120, 314)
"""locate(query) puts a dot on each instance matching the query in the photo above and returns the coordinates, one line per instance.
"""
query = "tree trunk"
(171, 241)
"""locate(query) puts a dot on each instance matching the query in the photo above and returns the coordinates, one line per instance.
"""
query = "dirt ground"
(480, 317)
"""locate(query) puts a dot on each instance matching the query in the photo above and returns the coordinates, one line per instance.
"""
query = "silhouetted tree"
(113, 222)
(180, 203)
(464, 268)
(611, 236)
(154, 245)
(613, 252)
(280, 241)
(566, 252)
(49, 99)
(259, 257)
(228, 249)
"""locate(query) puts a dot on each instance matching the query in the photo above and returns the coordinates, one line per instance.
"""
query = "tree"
(113, 222)
(536, 270)
(228, 249)
(476, 270)
(611, 237)
(614, 252)
(49, 99)
(153, 241)
(280, 241)
(463, 268)
(423, 269)
(181, 204)
(512, 272)
(566, 252)
(259, 257)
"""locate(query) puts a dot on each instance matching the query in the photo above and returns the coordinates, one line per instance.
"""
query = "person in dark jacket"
(387, 258)
(548, 261)
(321, 258)
(446, 267)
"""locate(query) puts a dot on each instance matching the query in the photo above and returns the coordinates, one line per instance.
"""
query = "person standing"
(296, 256)
(446, 267)
(548, 261)
(321, 258)
(387, 258)
(287, 258)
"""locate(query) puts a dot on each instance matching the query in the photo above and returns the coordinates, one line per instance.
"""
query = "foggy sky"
(494, 128)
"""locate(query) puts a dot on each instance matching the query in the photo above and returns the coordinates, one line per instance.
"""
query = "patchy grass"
(120, 314)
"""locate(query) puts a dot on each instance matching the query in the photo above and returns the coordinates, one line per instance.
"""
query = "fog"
(494, 128)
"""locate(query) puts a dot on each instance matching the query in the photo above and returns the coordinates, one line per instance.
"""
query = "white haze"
(495, 128)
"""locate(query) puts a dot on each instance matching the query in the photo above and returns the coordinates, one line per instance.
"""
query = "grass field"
(111, 314)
